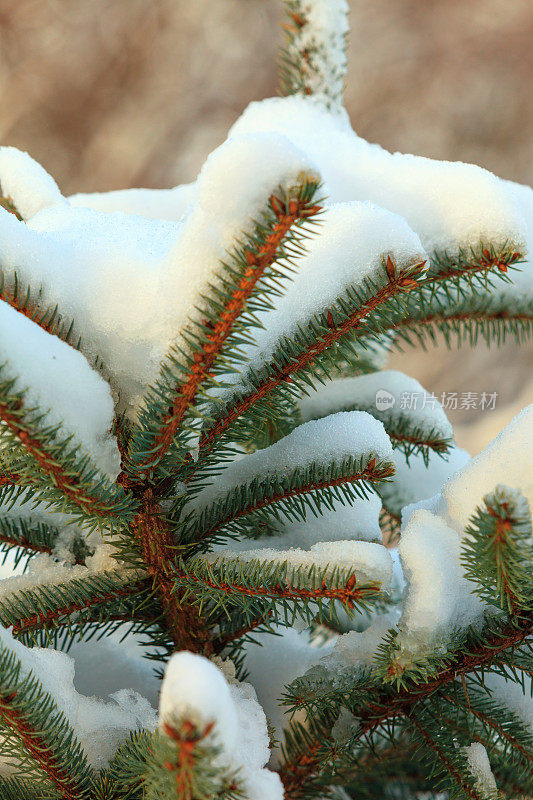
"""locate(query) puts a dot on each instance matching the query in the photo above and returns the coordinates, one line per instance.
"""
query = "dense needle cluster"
(241, 561)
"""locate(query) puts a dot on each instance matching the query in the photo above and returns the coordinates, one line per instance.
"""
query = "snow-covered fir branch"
(238, 565)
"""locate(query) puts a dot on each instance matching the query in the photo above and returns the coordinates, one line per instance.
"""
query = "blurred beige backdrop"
(116, 93)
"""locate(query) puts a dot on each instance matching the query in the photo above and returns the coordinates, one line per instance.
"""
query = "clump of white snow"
(26, 183)
(196, 690)
(331, 439)
(439, 598)
(450, 205)
(59, 380)
(154, 272)
(479, 765)
(387, 394)
(100, 725)
(45, 570)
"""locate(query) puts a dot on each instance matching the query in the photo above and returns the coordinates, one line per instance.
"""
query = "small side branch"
(398, 283)
(313, 60)
(61, 476)
(54, 616)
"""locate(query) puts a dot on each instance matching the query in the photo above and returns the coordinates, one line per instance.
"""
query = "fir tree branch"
(48, 318)
(497, 720)
(273, 589)
(376, 705)
(484, 258)
(390, 525)
(126, 771)
(490, 324)
(313, 60)
(469, 658)
(282, 228)
(155, 538)
(498, 553)
(8, 478)
(32, 720)
(230, 637)
(448, 760)
(456, 300)
(184, 765)
(338, 323)
(30, 537)
(49, 462)
(311, 486)
(14, 789)
(47, 606)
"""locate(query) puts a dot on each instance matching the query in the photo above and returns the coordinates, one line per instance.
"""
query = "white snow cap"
(26, 183)
(167, 204)
(450, 205)
(333, 438)
(132, 283)
(384, 394)
(100, 725)
(196, 690)
(505, 460)
(439, 598)
(348, 248)
(370, 562)
(358, 521)
(479, 765)
(59, 379)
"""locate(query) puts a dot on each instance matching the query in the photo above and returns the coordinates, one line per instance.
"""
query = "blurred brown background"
(109, 94)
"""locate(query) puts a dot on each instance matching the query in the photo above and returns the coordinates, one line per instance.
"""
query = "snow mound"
(195, 689)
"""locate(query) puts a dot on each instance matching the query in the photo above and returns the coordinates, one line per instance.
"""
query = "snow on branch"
(55, 413)
(146, 264)
(66, 734)
(357, 520)
(213, 734)
(313, 60)
(324, 459)
(48, 317)
(277, 234)
(413, 418)
(280, 586)
(59, 381)
(52, 593)
(504, 461)
(452, 206)
(344, 285)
